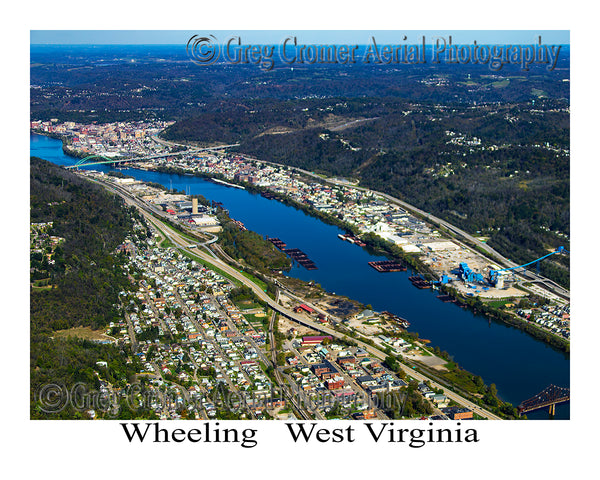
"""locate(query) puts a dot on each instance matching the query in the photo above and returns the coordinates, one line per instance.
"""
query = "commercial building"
(457, 413)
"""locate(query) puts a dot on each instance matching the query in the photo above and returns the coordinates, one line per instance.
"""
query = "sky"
(178, 37)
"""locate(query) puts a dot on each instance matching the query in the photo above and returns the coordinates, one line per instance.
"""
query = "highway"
(183, 244)
(527, 275)
(289, 394)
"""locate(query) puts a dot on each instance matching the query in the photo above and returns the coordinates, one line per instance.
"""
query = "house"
(365, 415)
(292, 360)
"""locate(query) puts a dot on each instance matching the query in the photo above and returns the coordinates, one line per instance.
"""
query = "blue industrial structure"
(468, 275)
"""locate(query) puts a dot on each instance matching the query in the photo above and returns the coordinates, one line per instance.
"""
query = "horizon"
(311, 37)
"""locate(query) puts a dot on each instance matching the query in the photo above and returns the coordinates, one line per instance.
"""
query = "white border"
(66, 449)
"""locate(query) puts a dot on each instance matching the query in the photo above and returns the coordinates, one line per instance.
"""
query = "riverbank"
(475, 343)
(378, 246)
(501, 315)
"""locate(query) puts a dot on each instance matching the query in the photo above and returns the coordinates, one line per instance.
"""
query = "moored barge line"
(387, 266)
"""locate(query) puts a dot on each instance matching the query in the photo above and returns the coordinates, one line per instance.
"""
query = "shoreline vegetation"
(377, 245)
(466, 383)
(374, 245)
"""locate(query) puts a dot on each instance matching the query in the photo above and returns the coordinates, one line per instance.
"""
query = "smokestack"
(194, 206)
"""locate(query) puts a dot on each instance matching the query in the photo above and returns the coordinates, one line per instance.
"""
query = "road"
(183, 244)
(496, 257)
(285, 388)
(352, 123)
(192, 151)
(507, 263)
(527, 276)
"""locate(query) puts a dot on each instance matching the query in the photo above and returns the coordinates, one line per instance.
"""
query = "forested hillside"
(93, 224)
(84, 285)
(497, 171)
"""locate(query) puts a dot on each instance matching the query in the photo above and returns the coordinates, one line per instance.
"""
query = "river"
(518, 364)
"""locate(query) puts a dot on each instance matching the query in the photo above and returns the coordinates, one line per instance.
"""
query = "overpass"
(185, 245)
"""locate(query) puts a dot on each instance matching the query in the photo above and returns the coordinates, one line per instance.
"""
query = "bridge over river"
(548, 397)
(97, 159)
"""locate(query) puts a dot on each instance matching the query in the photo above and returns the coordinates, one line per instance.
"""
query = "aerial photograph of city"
(247, 238)
(318, 240)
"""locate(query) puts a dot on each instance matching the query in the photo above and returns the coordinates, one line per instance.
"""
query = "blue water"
(519, 365)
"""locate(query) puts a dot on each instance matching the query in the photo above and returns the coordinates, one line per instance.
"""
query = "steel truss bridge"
(548, 397)
(97, 159)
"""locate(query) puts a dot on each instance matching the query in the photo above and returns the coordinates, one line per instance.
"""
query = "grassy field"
(166, 243)
(39, 285)
(247, 305)
(85, 333)
(497, 303)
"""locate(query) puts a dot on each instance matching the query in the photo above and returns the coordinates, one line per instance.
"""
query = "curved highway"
(183, 244)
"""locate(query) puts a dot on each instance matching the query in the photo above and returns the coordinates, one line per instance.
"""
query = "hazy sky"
(178, 37)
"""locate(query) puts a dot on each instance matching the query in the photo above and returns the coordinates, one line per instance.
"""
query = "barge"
(387, 266)
(352, 239)
(278, 243)
(294, 253)
(419, 282)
